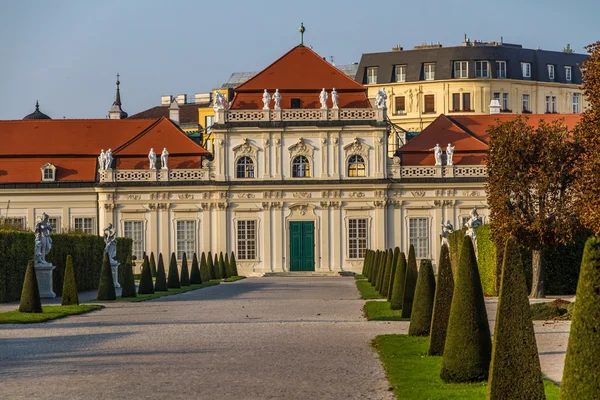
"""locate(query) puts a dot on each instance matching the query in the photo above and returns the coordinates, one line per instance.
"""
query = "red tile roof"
(188, 113)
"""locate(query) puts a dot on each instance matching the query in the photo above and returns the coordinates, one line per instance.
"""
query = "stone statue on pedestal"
(277, 100)
(220, 102)
(381, 99)
(449, 154)
(447, 229)
(43, 244)
(164, 159)
(101, 160)
(110, 248)
(152, 158)
(108, 159)
(437, 152)
(334, 99)
(323, 99)
(266, 100)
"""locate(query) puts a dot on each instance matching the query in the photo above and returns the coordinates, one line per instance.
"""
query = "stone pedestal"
(115, 273)
(43, 273)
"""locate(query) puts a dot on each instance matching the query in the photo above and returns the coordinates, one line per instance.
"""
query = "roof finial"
(37, 106)
(301, 33)
(118, 83)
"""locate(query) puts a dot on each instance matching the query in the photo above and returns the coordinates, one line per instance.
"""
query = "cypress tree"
(381, 272)
(217, 268)
(368, 262)
(106, 288)
(515, 371)
(365, 263)
(204, 268)
(420, 320)
(128, 288)
(222, 269)
(233, 265)
(398, 288)
(185, 275)
(374, 266)
(69, 292)
(385, 284)
(442, 302)
(146, 284)
(581, 376)
(195, 276)
(468, 346)
(160, 285)
(228, 266)
(30, 295)
(173, 282)
(410, 282)
(211, 266)
(152, 265)
(393, 274)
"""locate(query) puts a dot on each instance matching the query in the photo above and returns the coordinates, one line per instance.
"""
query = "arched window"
(300, 167)
(356, 166)
(245, 167)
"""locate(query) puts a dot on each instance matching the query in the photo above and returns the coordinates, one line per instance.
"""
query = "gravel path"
(263, 338)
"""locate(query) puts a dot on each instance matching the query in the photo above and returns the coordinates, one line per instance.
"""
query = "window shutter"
(429, 103)
(400, 104)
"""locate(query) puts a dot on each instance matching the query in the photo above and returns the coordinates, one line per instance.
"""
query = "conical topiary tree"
(195, 276)
(410, 282)
(30, 294)
(216, 267)
(205, 274)
(381, 272)
(581, 376)
(106, 288)
(222, 269)
(128, 288)
(211, 266)
(173, 281)
(228, 266)
(160, 285)
(385, 285)
(468, 347)
(185, 275)
(69, 291)
(368, 262)
(146, 284)
(515, 371)
(365, 263)
(420, 319)
(393, 274)
(442, 302)
(233, 264)
(374, 268)
(398, 286)
(152, 265)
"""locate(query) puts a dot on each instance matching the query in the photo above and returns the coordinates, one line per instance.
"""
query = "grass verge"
(367, 291)
(380, 311)
(233, 278)
(414, 375)
(359, 276)
(49, 313)
(558, 309)
(156, 295)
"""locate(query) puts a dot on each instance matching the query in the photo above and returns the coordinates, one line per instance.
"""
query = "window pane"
(135, 231)
(429, 103)
(455, 101)
(246, 243)
(466, 101)
(419, 236)
(357, 237)
(186, 238)
(400, 104)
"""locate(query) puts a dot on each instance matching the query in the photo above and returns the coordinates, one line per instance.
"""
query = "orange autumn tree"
(530, 187)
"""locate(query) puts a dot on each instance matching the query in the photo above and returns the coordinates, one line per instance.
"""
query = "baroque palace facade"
(300, 178)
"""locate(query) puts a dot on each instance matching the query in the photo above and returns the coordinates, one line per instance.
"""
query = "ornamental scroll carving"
(301, 148)
(418, 193)
(246, 195)
(357, 194)
(185, 196)
(245, 149)
(134, 197)
(302, 195)
(471, 193)
(357, 147)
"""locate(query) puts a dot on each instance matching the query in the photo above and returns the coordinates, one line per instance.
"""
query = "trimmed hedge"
(217, 268)
(30, 294)
(106, 288)
(160, 285)
(233, 264)
(374, 268)
(398, 285)
(185, 274)
(69, 292)
(410, 283)
(153, 265)
(420, 319)
(387, 274)
(195, 276)
(222, 267)
(486, 260)
(205, 268)
(146, 283)
(442, 302)
(173, 282)
(393, 274)
(128, 286)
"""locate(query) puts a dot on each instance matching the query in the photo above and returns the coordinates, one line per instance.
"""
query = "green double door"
(302, 246)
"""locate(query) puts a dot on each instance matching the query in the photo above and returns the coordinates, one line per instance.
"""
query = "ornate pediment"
(301, 148)
(357, 147)
(245, 149)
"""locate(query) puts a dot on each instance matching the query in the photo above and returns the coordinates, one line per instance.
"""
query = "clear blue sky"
(66, 53)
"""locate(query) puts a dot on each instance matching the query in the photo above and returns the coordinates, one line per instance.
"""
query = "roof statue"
(302, 30)
(277, 100)
(108, 159)
(334, 99)
(437, 152)
(220, 102)
(449, 154)
(266, 100)
(101, 160)
(152, 158)
(323, 99)
(164, 159)
(381, 99)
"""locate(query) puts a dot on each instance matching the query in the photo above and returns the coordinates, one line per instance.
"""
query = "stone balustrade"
(436, 171)
(300, 114)
(156, 175)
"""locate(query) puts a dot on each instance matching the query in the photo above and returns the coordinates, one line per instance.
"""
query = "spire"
(118, 97)
(301, 33)
(37, 106)
(115, 111)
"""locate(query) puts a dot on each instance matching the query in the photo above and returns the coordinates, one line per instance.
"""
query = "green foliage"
(153, 265)
(581, 376)
(160, 285)
(217, 268)
(389, 262)
(128, 286)
(173, 282)
(106, 288)
(211, 267)
(381, 270)
(381, 311)
(442, 302)
(124, 250)
(410, 283)
(468, 347)
(398, 285)
(233, 265)
(420, 319)
(69, 292)
(374, 268)
(366, 290)
(222, 268)
(228, 266)
(146, 283)
(205, 267)
(455, 240)
(48, 313)
(185, 275)
(515, 371)
(30, 295)
(365, 262)
(195, 275)
(486, 260)
(393, 273)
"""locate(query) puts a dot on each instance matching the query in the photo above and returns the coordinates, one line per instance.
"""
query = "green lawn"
(366, 290)
(414, 375)
(156, 295)
(233, 278)
(359, 276)
(49, 313)
(380, 311)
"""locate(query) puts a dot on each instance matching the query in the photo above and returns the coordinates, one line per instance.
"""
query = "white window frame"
(136, 235)
(18, 221)
(56, 226)
(87, 230)
(505, 101)
(353, 164)
(553, 100)
(372, 75)
(246, 247)
(501, 69)
(461, 69)
(576, 103)
(308, 167)
(358, 237)
(249, 167)
(526, 69)
(525, 102)
(429, 69)
(568, 74)
(400, 72)
(550, 71)
(480, 68)
(185, 244)
(418, 238)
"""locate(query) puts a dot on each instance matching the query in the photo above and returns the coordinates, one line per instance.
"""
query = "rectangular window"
(526, 69)
(455, 101)
(246, 240)
(418, 236)
(501, 69)
(371, 75)
(400, 105)
(55, 224)
(48, 174)
(576, 97)
(568, 75)
(551, 72)
(553, 104)
(482, 69)
(84, 225)
(429, 103)
(16, 222)
(357, 237)
(429, 72)
(496, 96)
(209, 120)
(505, 102)
(185, 238)
(548, 105)
(461, 69)
(526, 103)
(466, 98)
(135, 231)
(400, 73)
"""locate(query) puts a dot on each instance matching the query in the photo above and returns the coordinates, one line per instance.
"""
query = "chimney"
(174, 112)
(181, 98)
(495, 106)
(166, 100)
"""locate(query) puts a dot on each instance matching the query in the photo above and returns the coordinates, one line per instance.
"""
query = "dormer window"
(48, 172)
(295, 102)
